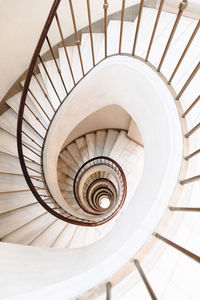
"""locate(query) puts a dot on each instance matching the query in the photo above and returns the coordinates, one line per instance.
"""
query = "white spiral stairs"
(23, 221)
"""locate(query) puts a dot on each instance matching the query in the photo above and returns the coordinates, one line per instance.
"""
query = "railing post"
(191, 106)
(192, 130)
(154, 29)
(76, 35)
(122, 23)
(196, 69)
(182, 6)
(191, 179)
(176, 246)
(108, 290)
(192, 154)
(146, 282)
(191, 209)
(138, 26)
(65, 49)
(185, 51)
(90, 29)
(105, 7)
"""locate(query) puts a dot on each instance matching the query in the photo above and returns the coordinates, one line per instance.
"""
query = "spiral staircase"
(134, 222)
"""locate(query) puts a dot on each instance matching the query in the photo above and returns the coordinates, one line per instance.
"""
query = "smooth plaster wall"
(21, 23)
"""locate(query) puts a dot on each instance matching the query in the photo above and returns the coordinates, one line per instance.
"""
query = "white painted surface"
(162, 156)
(21, 23)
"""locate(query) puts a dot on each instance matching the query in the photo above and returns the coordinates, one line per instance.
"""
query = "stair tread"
(110, 141)
(100, 142)
(12, 220)
(54, 75)
(14, 103)
(66, 157)
(24, 235)
(64, 66)
(74, 151)
(91, 141)
(8, 122)
(10, 164)
(50, 233)
(14, 200)
(36, 92)
(64, 168)
(64, 239)
(82, 146)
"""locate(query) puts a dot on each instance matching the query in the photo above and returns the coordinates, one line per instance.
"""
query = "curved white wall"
(118, 80)
(21, 23)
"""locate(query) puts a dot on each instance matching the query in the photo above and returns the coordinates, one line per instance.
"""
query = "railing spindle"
(76, 35)
(32, 128)
(185, 51)
(44, 95)
(122, 23)
(31, 150)
(65, 49)
(57, 67)
(138, 26)
(189, 180)
(47, 73)
(145, 280)
(182, 6)
(192, 154)
(192, 130)
(105, 7)
(33, 170)
(90, 29)
(191, 106)
(32, 140)
(189, 209)
(35, 116)
(154, 29)
(176, 246)
(38, 103)
(196, 69)
(108, 290)
(31, 160)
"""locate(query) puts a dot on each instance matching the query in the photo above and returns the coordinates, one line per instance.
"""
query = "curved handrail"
(101, 160)
(45, 198)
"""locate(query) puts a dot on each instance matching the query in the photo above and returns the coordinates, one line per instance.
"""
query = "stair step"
(79, 238)
(91, 141)
(10, 164)
(12, 220)
(40, 99)
(49, 235)
(100, 142)
(114, 36)
(40, 125)
(65, 69)
(75, 62)
(14, 200)
(8, 122)
(74, 151)
(119, 145)
(145, 31)
(28, 232)
(8, 144)
(86, 52)
(82, 146)
(68, 159)
(110, 141)
(65, 169)
(56, 96)
(98, 41)
(65, 237)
